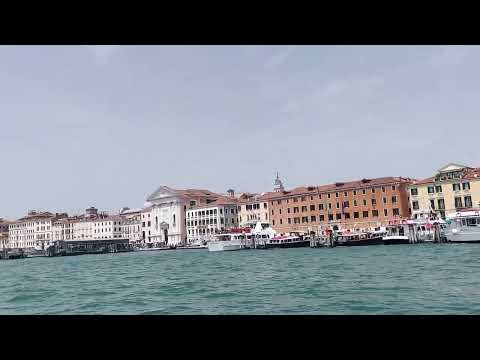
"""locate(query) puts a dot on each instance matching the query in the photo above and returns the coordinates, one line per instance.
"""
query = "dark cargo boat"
(359, 239)
(285, 242)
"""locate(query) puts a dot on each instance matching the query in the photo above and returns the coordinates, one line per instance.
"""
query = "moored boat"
(284, 242)
(464, 226)
(359, 239)
(229, 242)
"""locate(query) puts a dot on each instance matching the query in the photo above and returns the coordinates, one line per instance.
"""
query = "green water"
(397, 279)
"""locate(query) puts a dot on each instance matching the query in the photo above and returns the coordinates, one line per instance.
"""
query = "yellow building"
(453, 187)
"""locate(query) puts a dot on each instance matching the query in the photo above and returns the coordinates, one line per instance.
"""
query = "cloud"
(102, 54)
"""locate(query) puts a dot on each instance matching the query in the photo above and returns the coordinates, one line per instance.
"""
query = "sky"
(104, 126)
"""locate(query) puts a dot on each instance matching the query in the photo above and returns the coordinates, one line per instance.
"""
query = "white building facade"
(34, 229)
(205, 221)
(164, 221)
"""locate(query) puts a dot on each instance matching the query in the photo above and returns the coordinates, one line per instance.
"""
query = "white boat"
(230, 242)
(396, 234)
(464, 226)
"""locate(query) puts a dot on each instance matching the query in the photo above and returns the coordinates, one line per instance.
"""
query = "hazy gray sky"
(104, 126)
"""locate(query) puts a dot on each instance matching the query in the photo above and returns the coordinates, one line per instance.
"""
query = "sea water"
(396, 279)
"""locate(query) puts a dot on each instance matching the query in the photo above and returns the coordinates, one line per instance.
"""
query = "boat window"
(472, 222)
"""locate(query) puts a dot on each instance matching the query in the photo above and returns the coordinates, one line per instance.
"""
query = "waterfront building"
(256, 207)
(34, 229)
(453, 187)
(204, 221)
(132, 221)
(164, 218)
(363, 204)
(4, 225)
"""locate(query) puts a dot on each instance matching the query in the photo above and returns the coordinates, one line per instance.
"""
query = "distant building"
(363, 204)
(253, 208)
(132, 224)
(452, 188)
(164, 218)
(206, 220)
(34, 229)
(4, 226)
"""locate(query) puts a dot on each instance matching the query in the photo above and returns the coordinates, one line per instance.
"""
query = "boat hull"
(225, 246)
(464, 237)
(363, 242)
(396, 240)
(296, 244)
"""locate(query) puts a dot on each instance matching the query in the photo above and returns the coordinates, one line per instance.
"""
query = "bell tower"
(278, 185)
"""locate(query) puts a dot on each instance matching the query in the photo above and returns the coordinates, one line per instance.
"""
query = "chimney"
(231, 193)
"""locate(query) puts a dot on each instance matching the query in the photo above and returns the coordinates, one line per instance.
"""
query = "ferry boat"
(464, 226)
(359, 238)
(283, 242)
(230, 242)
(396, 235)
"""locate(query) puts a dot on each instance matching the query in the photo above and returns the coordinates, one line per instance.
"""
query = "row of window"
(438, 188)
(338, 216)
(345, 204)
(337, 194)
(467, 202)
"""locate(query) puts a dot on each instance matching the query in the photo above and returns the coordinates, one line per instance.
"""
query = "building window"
(303, 198)
(321, 218)
(320, 206)
(265, 205)
(345, 194)
(354, 192)
(355, 203)
(458, 201)
(338, 205)
(365, 214)
(347, 215)
(364, 202)
(313, 218)
(431, 189)
(330, 217)
(338, 216)
(468, 201)
(383, 188)
(304, 208)
(385, 212)
(295, 210)
(438, 188)
(355, 215)
(441, 204)
(364, 192)
(289, 220)
(466, 186)
(384, 200)
(281, 222)
(394, 188)
(330, 206)
(432, 204)
(312, 207)
(415, 205)
(373, 190)
(394, 199)
(456, 187)
(396, 212)
(280, 211)
(375, 213)
(273, 222)
(336, 194)
(320, 196)
(279, 202)
(328, 195)
(374, 201)
(272, 211)
(414, 191)
(288, 210)
(295, 199)
(304, 219)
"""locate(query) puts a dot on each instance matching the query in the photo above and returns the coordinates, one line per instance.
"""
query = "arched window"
(173, 219)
